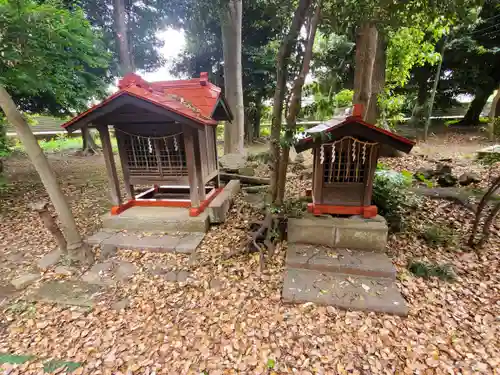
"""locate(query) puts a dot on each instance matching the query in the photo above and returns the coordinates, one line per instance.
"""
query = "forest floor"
(228, 318)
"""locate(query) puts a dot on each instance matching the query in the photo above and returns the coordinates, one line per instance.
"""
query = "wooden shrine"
(345, 159)
(166, 138)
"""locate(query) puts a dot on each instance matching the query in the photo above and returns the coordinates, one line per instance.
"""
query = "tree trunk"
(473, 113)
(433, 91)
(366, 47)
(231, 21)
(120, 25)
(257, 118)
(50, 223)
(89, 146)
(77, 249)
(494, 113)
(279, 93)
(378, 80)
(295, 104)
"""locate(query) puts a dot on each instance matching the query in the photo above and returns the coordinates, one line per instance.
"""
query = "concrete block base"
(156, 219)
(220, 205)
(350, 233)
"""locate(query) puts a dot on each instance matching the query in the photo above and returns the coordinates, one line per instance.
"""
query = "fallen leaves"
(229, 319)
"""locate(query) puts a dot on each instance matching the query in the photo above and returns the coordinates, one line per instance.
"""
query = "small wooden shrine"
(166, 138)
(345, 159)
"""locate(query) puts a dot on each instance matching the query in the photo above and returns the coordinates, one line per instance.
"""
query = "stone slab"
(220, 205)
(156, 219)
(98, 238)
(25, 280)
(343, 291)
(185, 243)
(50, 259)
(346, 261)
(68, 292)
(352, 233)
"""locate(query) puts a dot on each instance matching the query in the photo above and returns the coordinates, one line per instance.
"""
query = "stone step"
(185, 243)
(352, 233)
(344, 291)
(346, 261)
(156, 219)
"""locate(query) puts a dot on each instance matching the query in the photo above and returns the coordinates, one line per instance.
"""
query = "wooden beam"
(217, 179)
(191, 167)
(107, 150)
(129, 188)
(198, 164)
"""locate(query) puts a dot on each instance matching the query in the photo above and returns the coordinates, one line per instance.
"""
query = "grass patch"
(15, 359)
(435, 235)
(53, 365)
(428, 270)
(62, 143)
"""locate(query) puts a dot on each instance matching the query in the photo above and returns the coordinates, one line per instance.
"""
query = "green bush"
(392, 197)
(344, 98)
(435, 235)
(427, 270)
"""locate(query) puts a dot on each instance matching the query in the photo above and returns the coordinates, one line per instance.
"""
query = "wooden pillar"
(317, 178)
(198, 164)
(217, 179)
(107, 150)
(370, 174)
(189, 148)
(129, 188)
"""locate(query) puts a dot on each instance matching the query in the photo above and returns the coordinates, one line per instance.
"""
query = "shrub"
(427, 270)
(344, 98)
(392, 197)
(435, 235)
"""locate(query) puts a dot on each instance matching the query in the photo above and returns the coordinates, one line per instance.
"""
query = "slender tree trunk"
(89, 146)
(280, 91)
(295, 104)
(233, 77)
(77, 250)
(120, 25)
(494, 113)
(433, 91)
(258, 117)
(366, 47)
(378, 80)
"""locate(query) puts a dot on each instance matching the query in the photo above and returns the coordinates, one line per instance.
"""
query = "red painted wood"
(323, 209)
(116, 210)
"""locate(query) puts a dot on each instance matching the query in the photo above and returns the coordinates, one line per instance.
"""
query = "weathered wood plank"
(107, 149)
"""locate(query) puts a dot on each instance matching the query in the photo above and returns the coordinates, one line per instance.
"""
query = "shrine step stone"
(156, 219)
(345, 261)
(344, 291)
(351, 233)
(185, 243)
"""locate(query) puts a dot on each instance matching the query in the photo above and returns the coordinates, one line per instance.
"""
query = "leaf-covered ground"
(229, 319)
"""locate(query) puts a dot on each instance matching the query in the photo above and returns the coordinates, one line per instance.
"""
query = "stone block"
(189, 243)
(125, 271)
(50, 259)
(345, 261)
(220, 205)
(69, 292)
(98, 238)
(25, 280)
(352, 233)
(343, 291)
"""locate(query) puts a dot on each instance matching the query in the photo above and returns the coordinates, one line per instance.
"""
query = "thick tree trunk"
(233, 78)
(77, 250)
(366, 47)
(378, 80)
(295, 104)
(280, 91)
(473, 113)
(494, 113)
(120, 25)
(89, 146)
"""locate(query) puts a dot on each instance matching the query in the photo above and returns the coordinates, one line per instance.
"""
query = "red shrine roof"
(352, 125)
(195, 99)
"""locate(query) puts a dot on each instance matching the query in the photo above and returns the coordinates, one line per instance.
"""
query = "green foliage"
(482, 120)
(428, 270)
(392, 196)
(496, 127)
(4, 144)
(344, 98)
(14, 358)
(51, 54)
(435, 235)
(271, 363)
(53, 365)
(295, 207)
